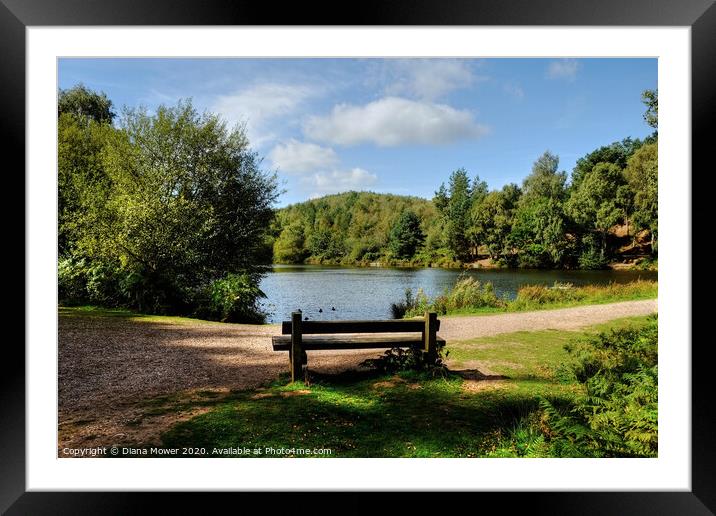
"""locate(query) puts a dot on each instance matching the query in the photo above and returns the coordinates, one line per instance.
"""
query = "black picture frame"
(17, 15)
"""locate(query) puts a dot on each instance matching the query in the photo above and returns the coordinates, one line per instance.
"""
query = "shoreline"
(479, 265)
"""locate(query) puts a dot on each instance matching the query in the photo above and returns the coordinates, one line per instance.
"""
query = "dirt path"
(111, 368)
(468, 327)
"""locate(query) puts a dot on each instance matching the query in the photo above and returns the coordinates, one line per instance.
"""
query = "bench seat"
(353, 341)
(299, 336)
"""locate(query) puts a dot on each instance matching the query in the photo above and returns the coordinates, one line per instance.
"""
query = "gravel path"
(468, 327)
(109, 367)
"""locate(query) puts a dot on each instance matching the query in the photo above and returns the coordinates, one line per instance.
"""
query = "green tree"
(455, 203)
(642, 173)
(493, 219)
(650, 98)
(595, 205)
(545, 181)
(188, 205)
(289, 247)
(540, 231)
(80, 172)
(617, 153)
(406, 236)
(85, 104)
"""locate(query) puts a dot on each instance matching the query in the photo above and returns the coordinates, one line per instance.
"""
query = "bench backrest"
(387, 326)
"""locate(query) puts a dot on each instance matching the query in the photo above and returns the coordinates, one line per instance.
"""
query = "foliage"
(545, 181)
(413, 359)
(531, 297)
(454, 204)
(598, 204)
(171, 203)
(83, 103)
(467, 294)
(399, 309)
(618, 416)
(547, 222)
(81, 175)
(650, 98)
(352, 227)
(493, 219)
(539, 233)
(233, 298)
(642, 173)
(289, 247)
(406, 236)
(616, 153)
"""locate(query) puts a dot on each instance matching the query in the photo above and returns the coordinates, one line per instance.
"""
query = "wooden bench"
(299, 336)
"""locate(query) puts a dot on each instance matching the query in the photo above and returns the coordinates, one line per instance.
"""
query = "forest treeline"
(172, 212)
(605, 209)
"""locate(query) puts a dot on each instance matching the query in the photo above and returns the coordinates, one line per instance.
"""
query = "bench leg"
(296, 353)
(430, 337)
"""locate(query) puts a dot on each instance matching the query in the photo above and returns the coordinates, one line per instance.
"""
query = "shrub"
(233, 298)
(80, 281)
(398, 359)
(619, 414)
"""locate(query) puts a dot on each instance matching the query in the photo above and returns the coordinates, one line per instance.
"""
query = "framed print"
(422, 241)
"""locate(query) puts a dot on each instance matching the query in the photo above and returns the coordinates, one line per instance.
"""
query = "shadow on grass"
(361, 414)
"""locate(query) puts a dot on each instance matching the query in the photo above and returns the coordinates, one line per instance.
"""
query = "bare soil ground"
(112, 370)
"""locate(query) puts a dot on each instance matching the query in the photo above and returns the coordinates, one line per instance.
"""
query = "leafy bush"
(398, 359)
(80, 281)
(619, 414)
(233, 298)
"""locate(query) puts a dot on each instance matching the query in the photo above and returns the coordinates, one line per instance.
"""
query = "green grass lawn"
(479, 409)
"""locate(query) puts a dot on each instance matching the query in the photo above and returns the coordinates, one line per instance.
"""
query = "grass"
(123, 313)
(494, 388)
(470, 297)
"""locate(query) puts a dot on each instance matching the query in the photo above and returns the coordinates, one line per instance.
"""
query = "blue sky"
(393, 125)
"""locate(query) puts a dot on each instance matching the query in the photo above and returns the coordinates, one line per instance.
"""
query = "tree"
(455, 203)
(650, 98)
(289, 247)
(539, 232)
(188, 205)
(493, 219)
(642, 174)
(85, 104)
(406, 236)
(595, 205)
(617, 153)
(80, 172)
(545, 181)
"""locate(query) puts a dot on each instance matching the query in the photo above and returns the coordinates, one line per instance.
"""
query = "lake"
(367, 292)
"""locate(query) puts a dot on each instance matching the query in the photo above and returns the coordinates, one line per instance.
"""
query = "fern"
(618, 416)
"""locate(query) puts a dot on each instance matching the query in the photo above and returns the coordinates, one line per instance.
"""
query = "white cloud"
(296, 157)
(563, 69)
(515, 90)
(257, 105)
(325, 183)
(394, 121)
(428, 79)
